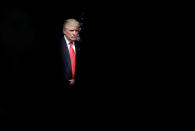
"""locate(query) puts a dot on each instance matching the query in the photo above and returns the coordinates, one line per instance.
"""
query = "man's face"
(71, 32)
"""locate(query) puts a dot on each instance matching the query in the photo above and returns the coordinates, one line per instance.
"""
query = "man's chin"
(73, 39)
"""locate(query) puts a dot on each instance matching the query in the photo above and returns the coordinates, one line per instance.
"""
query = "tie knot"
(70, 44)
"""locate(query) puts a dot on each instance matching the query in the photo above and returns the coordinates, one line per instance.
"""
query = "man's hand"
(72, 82)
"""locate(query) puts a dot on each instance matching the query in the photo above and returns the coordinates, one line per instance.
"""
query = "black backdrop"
(123, 51)
(29, 57)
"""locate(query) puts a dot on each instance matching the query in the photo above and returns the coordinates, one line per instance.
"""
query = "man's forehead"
(72, 27)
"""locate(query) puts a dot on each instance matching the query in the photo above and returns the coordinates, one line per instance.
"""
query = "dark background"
(29, 57)
(122, 54)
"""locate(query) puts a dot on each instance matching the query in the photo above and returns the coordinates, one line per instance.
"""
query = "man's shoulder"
(61, 40)
(77, 44)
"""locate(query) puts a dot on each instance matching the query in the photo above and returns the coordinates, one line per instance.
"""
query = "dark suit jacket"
(66, 69)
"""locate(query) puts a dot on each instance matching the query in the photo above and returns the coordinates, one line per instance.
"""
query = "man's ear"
(63, 31)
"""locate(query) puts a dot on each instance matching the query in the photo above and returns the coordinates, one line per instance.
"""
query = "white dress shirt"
(68, 45)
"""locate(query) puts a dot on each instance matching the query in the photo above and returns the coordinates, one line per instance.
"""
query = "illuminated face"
(71, 32)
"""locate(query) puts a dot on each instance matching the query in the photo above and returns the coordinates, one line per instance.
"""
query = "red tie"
(73, 59)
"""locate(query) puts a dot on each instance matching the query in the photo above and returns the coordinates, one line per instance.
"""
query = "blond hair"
(73, 22)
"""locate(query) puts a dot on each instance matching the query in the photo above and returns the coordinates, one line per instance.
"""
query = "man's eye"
(73, 30)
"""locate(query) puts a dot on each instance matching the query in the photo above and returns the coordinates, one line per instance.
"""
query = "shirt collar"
(67, 41)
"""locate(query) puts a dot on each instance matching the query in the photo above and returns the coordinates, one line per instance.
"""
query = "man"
(70, 52)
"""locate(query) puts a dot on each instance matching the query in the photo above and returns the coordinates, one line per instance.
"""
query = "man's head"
(71, 29)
